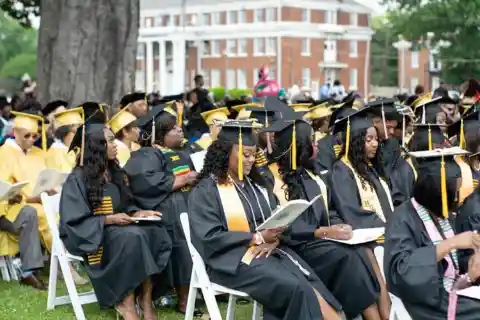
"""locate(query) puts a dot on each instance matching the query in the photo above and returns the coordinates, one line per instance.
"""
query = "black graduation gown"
(118, 258)
(275, 282)
(412, 271)
(152, 175)
(402, 180)
(326, 156)
(468, 219)
(333, 262)
(346, 199)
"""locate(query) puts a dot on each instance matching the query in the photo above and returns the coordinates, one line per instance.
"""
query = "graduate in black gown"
(332, 262)
(226, 207)
(421, 250)
(96, 211)
(161, 177)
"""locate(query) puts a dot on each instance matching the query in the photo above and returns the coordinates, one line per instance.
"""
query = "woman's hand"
(340, 232)
(474, 267)
(264, 250)
(36, 199)
(146, 214)
(466, 240)
(16, 199)
(118, 219)
(271, 235)
(192, 177)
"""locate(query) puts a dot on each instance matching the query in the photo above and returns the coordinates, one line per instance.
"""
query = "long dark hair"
(216, 163)
(283, 144)
(358, 158)
(96, 164)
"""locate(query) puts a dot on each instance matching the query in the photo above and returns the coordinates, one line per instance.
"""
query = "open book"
(197, 159)
(151, 218)
(363, 236)
(8, 190)
(284, 216)
(471, 292)
(49, 179)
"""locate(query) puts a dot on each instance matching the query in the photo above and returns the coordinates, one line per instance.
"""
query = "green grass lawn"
(23, 303)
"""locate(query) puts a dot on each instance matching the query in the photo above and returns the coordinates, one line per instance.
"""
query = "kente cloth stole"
(235, 215)
(260, 159)
(105, 207)
(179, 169)
(451, 274)
(467, 186)
(410, 163)
(368, 194)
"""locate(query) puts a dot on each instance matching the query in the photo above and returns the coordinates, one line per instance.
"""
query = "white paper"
(197, 159)
(49, 179)
(8, 190)
(152, 218)
(471, 292)
(363, 236)
(284, 216)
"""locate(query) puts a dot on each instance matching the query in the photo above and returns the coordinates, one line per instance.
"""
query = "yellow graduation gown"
(58, 157)
(205, 141)
(16, 166)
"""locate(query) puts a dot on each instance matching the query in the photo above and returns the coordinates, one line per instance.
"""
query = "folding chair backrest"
(198, 264)
(51, 206)
(379, 251)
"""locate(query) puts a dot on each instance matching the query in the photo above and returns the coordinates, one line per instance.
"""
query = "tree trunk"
(87, 50)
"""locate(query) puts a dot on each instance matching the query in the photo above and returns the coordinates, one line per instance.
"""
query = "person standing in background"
(325, 90)
(337, 93)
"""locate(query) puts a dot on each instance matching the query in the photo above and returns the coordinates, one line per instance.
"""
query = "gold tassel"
(443, 182)
(153, 131)
(430, 145)
(179, 114)
(44, 136)
(294, 147)
(240, 156)
(269, 143)
(100, 107)
(82, 146)
(347, 138)
(462, 136)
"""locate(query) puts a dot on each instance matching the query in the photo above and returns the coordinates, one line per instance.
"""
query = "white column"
(179, 65)
(279, 61)
(149, 66)
(199, 56)
(162, 66)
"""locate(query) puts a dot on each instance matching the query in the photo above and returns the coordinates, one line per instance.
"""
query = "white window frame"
(353, 49)
(306, 15)
(215, 44)
(215, 78)
(331, 17)
(230, 15)
(230, 72)
(242, 16)
(241, 79)
(256, 15)
(215, 18)
(206, 19)
(413, 83)
(306, 77)
(306, 51)
(353, 79)
(255, 76)
(230, 47)
(270, 14)
(353, 19)
(141, 45)
(415, 59)
(271, 51)
(241, 53)
(256, 50)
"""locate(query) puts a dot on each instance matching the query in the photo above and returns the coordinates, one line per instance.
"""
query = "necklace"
(240, 191)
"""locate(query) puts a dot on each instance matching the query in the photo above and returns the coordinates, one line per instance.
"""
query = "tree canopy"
(21, 10)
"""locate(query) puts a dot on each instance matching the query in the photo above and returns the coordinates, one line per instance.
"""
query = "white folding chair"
(397, 310)
(200, 280)
(59, 255)
(4, 268)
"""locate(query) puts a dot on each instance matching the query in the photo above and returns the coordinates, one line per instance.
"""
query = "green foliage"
(454, 21)
(239, 93)
(218, 93)
(20, 64)
(384, 60)
(21, 10)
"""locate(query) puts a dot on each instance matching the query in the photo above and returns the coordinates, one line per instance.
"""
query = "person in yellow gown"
(213, 119)
(123, 125)
(66, 124)
(319, 115)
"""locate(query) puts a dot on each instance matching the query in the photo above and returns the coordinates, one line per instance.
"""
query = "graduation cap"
(174, 97)
(262, 115)
(148, 121)
(340, 111)
(132, 97)
(94, 112)
(386, 109)
(301, 107)
(426, 136)
(408, 116)
(242, 112)
(460, 127)
(29, 122)
(69, 117)
(410, 100)
(122, 119)
(319, 111)
(219, 114)
(440, 162)
(281, 109)
(239, 132)
(427, 109)
(53, 105)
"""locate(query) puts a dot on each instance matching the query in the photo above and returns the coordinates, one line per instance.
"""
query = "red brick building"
(303, 42)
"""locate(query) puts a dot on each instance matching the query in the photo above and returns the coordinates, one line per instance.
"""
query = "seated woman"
(161, 177)
(421, 258)
(332, 262)
(226, 207)
(126, 132)
(96, 222)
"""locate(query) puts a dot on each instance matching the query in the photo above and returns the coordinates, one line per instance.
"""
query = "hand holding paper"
(362, 236)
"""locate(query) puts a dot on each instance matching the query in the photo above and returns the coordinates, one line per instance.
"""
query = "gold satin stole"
(468, 185)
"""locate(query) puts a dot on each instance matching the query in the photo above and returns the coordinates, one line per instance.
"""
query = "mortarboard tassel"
(269, 143)
(443, 188)
(294, 148)
(179, 114)
(240, 156)
(384, 124)
(462, 136)
(100, 106)
(82, 146)
(347, 138)
(430, 145)
(44, 136)
(403, 131)
(153, 131)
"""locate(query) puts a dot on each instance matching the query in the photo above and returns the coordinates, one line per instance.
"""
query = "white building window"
(353, 52)
(353, 85)
(242, 47)
(231, 75)
(415, 59)
(270, 15)
(413, 84)
(231, 17)
(271, 47)
(255, 76)
(206, 19)
(331, 17)
(214, 48)
(259, 46)
(435, 82)
(306, 47)
(215, 18)
(259, 15)
(148, 22)
(306, 77)
(242, 16)
(139, 80)
(354, 19)
(215, 78)
(305, 15)
(159, 20)
(140, 51)
(231, 49)
(241, 79)
(206, 77)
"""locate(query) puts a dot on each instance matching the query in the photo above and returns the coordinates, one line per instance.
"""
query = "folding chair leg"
(192, 296)
(72, 290)
(52, 283)
(4, 269)
(11, 269)
(211, 303)
(232, 304)
(256, 311)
